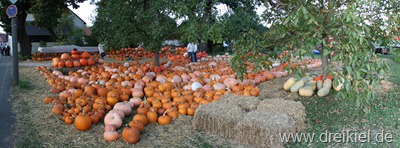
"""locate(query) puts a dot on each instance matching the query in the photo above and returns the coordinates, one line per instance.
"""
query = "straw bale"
(263, 128)
(245, 102)
(295, 109)
(218, 118)
(228, 118)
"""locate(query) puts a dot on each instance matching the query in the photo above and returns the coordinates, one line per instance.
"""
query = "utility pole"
(12, 12)
(15, 50)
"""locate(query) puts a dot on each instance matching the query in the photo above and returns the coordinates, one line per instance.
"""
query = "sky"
(86, 11)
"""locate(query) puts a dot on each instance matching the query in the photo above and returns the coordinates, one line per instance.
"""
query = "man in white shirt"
(101, 51)
(192, 49)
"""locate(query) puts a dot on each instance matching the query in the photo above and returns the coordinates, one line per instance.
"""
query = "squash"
(327, 83)
(323, 91)
(306, 79)
(296, 86)
(306, 91)
(319, 84)
(339, 85)
(289, 83)
(312, 84)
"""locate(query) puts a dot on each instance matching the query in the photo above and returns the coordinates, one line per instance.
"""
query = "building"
(3, 40)
(36, 34)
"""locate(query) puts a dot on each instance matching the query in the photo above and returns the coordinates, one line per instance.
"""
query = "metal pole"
(15, 50)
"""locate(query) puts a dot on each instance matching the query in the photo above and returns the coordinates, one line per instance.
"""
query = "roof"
(36, 31)
(3, 37)
(77, 16)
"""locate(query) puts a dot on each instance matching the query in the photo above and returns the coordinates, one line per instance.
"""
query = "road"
(6, 115)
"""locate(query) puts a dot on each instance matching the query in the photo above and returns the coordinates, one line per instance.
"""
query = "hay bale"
(263, 128)
(245, 102)
(218, 118)
(295, 109)
(257, 128)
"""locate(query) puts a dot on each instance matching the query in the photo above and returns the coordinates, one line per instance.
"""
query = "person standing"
(192, 49)
(8, 50)
(101, 51)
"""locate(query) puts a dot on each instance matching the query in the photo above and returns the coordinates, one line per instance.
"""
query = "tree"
(140, 21)
(45, 13)
(202, 23)
(66, 32)
(346, 27)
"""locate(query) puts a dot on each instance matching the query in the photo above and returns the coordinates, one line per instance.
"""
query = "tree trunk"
(324, 59)
(157, 58)
(25, 43)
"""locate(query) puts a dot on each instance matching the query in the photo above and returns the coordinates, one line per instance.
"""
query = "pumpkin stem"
(165, 112)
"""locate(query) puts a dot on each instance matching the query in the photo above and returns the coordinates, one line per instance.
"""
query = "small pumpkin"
(164, 119)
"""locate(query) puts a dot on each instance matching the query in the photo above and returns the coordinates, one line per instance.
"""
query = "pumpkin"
(152, 116)
(54, 62)
(90, 62)
(124, 107)
(74, 51)
(77, 64)
(113, 119)
(141, 118)
(83, 62)
(85, 55)
(137, 124)
(164, 119)
(83, 122)
(75, 56)
(131, 135)
(110, 135)
(61, 64)
(65, 56)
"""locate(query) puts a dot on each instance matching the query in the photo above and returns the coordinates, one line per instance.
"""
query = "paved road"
(6, 115)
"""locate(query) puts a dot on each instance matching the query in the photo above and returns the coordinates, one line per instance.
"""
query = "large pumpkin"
(131, 134)
(83, 122)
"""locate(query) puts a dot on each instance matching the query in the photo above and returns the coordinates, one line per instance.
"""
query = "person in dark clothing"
(2, 51)
(8, 50)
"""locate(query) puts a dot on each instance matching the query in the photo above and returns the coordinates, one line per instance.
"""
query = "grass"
(36, 126)
(336, 115)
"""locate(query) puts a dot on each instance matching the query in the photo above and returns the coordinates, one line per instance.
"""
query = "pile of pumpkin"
(76, 59)
(91, 92)
(168, 91)
(307, 85)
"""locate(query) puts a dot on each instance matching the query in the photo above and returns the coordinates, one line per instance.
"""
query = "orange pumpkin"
(83, 122)
(83, 62)
(85, 55)
(61, 64)
(77, 64)
(54, 62)
(69, 64)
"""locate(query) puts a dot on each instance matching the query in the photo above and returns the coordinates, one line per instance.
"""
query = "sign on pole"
(12, 11)
(13, 1)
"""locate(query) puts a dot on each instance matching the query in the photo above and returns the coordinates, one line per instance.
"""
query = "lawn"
(336, 115)
(36, 126)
